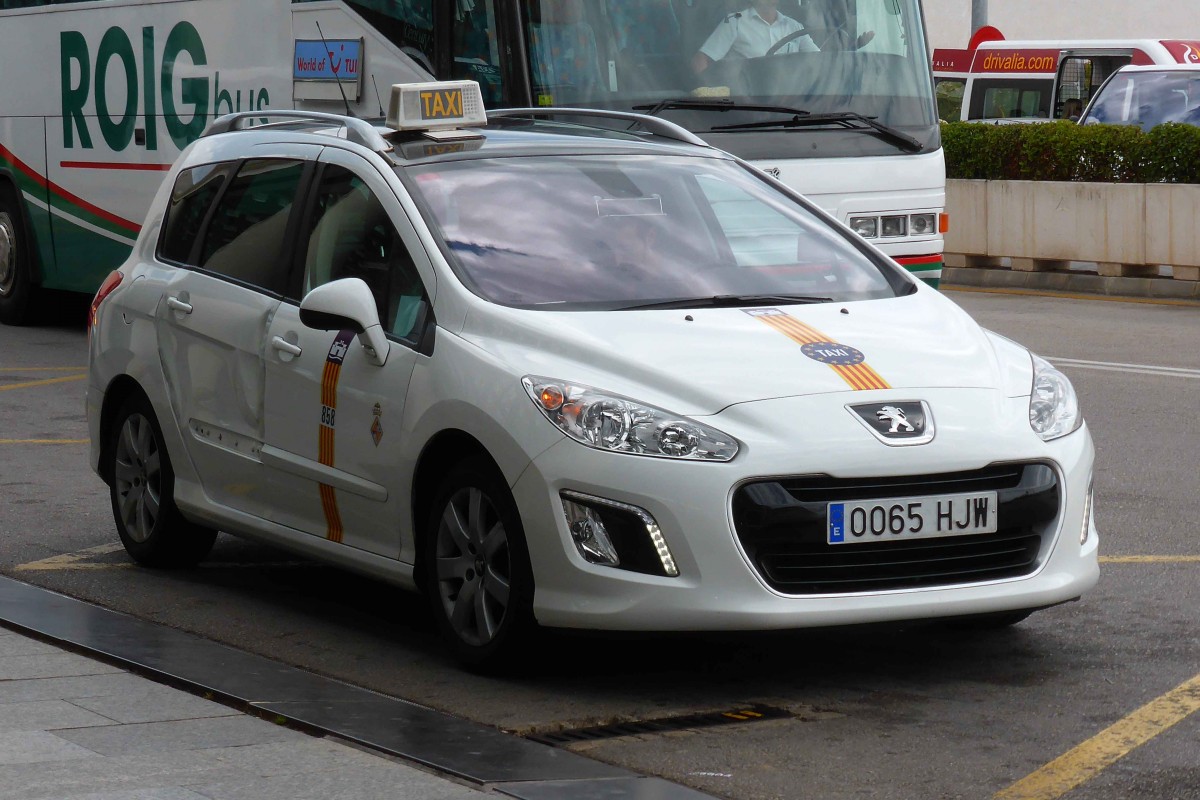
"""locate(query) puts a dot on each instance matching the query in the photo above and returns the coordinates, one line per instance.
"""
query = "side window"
(350, 236)
(950, 98)
(245, 239)
(477, 48)
(193, 194)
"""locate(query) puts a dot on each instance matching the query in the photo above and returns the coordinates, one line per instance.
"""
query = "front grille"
(782, 526)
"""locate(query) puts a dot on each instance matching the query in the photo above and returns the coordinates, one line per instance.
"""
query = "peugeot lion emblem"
(896, 424)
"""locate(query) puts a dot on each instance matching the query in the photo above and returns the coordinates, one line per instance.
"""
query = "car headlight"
(611, 422)
(1053, 404)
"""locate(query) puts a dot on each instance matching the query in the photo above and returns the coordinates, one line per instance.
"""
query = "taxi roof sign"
(435, 106)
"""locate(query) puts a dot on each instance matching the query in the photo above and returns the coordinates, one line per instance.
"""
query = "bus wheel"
(17, 292)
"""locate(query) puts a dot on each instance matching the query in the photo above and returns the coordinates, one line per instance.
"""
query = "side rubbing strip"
(325, 430)
(844, 360)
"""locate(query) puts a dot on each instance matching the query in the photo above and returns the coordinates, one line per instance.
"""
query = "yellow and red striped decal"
(325, 431)
(846, 361)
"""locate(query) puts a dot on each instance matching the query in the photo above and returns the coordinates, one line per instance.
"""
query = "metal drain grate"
(741, 714)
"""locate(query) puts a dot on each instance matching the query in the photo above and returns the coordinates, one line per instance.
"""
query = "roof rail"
(655, 125)
(357, 130)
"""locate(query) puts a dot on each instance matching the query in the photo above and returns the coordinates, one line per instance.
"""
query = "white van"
(1038, 80)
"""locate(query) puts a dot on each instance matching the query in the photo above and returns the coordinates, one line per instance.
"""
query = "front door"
(335, 417)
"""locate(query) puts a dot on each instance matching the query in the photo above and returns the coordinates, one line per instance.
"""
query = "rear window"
(585, 232)
(194, 192)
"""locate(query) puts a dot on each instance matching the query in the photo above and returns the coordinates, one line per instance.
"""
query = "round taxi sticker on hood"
(848, 362)
(834, 354)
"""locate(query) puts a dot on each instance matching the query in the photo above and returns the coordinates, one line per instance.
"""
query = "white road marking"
(1139, 369)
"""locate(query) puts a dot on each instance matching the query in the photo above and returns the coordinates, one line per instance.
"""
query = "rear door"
(229, 226)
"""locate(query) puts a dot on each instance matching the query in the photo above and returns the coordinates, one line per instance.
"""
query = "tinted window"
(352, 237)
(194, 192)
(245, 239)
(589, 232)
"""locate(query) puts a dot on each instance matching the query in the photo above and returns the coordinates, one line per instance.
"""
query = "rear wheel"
(477, 573)
(18, 294)
(142, 492)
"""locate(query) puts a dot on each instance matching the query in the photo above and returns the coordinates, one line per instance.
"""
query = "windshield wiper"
(728, 301)
(846, 119)
(713, 104)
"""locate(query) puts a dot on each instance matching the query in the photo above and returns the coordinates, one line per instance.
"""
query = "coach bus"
(832, 97)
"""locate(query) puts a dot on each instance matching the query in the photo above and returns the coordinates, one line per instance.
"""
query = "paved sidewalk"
(73, 728)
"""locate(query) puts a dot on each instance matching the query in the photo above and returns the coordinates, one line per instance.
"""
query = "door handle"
(175, 304)
(279, 343)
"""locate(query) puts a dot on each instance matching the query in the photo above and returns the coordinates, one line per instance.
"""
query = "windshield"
(577, 232)
(1147, 99)
(865, 57)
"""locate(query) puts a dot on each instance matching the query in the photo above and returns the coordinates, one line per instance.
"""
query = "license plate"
(912, 518)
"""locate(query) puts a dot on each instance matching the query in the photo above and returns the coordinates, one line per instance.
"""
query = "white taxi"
(554, 374)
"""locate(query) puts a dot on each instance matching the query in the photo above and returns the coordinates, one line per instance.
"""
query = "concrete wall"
(1128, 230)
(950, 20)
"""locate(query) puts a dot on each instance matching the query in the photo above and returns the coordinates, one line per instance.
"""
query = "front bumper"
(718, 587)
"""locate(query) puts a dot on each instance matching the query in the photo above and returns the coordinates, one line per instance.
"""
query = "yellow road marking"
(42, 369)
(78, 561)
(1083, 763)
(44, 441)
(72, 560)
(45, 382)
(1153, 301)
(1149, 559)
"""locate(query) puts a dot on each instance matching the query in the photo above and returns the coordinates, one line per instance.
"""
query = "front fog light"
(866, 227)
(617, 535)
(589, 534)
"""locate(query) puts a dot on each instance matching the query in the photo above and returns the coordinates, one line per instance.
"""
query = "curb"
(1073, 282)
(485, 757)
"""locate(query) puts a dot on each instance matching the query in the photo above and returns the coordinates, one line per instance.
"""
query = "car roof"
(504, 136)
(1161, 68)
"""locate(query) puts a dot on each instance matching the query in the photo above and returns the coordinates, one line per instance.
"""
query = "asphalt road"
(1104, 688)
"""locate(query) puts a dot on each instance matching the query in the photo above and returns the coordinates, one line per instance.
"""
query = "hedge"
(1065, 151)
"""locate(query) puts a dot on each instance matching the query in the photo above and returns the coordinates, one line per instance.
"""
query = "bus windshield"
(703, 62)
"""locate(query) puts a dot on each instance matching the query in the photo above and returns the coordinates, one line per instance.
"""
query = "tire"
(477, 575)
(141, 489)
(18, 294)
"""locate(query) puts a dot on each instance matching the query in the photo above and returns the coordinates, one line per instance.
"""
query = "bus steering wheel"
(791, 37)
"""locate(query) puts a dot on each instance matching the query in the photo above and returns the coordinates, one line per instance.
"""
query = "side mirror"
(347, 304)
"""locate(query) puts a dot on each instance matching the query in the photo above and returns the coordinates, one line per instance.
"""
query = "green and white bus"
(99, 97)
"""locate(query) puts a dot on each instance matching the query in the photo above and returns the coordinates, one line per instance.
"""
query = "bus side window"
(476, 48)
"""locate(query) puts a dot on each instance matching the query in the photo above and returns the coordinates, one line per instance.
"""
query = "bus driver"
(751, 33)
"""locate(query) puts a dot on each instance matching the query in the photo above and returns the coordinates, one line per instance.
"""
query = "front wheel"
(477, 572)
(142, 487)
(18, 295)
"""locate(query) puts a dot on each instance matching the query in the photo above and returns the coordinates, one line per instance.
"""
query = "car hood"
(700, 361)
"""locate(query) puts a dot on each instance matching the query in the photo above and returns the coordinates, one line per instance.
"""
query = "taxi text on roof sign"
(441, 103)
(435, 106)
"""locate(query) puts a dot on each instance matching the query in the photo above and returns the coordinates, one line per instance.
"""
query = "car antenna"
(378, 99)
(336, 78)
